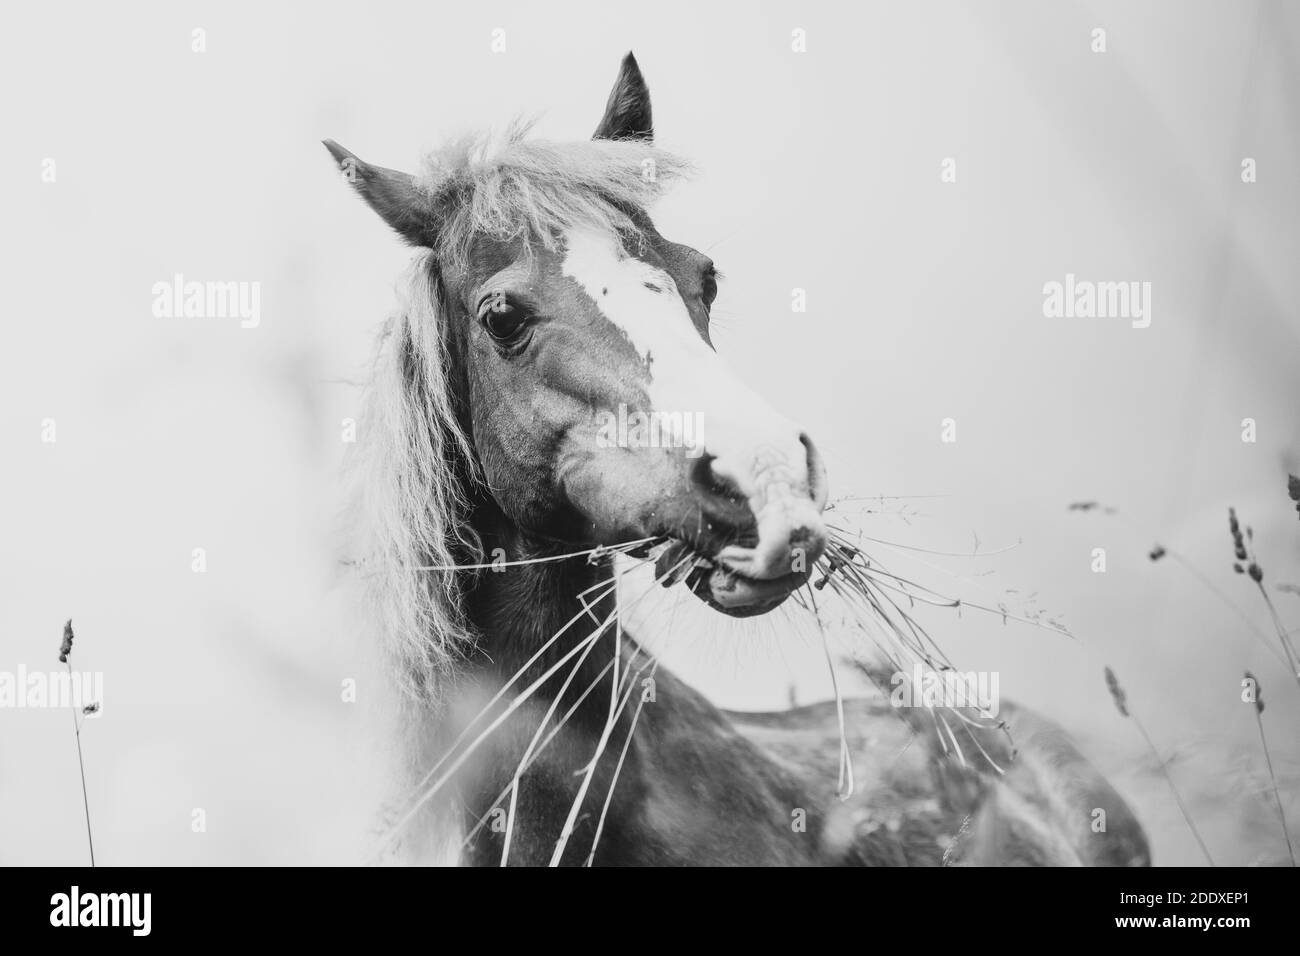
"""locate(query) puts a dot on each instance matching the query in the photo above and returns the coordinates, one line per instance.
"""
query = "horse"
(496, 506)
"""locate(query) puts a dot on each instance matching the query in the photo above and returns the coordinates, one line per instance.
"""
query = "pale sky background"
(819, 171)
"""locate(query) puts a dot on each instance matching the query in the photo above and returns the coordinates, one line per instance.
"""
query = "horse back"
(950, 795)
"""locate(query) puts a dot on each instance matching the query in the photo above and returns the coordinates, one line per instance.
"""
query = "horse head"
(595, 406)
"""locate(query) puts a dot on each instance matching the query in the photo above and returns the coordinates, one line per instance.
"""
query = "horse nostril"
(802, 539)
(717, 483)
(807, 544)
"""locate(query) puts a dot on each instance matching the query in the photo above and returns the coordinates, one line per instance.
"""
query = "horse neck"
(663, 727)
(538, 607)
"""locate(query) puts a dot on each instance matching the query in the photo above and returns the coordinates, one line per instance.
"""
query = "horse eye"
(503, 320)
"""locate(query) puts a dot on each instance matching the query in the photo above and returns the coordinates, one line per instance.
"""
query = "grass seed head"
(1238, 543)
(66, 647)
(1116, 692)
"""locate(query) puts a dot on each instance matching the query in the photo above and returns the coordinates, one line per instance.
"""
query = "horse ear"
(627, 113)
(397, 197)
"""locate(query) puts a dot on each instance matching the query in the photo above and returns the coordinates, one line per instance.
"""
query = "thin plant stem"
(598, 551)
(1292, 658)
(81, 764)
(1173, 789)
(1286, 832)
(844, 786)
(1214, 589)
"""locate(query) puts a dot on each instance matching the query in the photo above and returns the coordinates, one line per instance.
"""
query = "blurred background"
(820, 171)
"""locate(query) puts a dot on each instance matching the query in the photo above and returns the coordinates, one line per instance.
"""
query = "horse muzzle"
(776, 547)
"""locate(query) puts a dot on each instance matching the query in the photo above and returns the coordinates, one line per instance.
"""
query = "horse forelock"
(511, 189)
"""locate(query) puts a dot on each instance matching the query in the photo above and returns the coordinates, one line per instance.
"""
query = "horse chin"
(725, 589)
(734, 594)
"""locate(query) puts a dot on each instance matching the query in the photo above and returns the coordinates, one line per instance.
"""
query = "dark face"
(599, 410)
(602, 414)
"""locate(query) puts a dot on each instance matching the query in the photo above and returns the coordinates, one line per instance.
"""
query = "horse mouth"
(720, 585)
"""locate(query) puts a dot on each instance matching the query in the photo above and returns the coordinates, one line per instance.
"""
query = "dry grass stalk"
(65, 651)
(1268, 759)
(1121, 704)
(1246, 563)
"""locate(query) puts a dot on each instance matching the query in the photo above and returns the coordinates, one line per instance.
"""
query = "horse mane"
(407, 492)
(413, 463)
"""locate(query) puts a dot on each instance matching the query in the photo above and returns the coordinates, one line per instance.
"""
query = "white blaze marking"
(656, 323)
(686, 375)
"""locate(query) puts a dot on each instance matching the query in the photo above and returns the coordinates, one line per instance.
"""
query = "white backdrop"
(820, 171)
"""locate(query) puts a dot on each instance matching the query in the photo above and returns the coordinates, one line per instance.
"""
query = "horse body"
(702, 786)
(494, 501)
